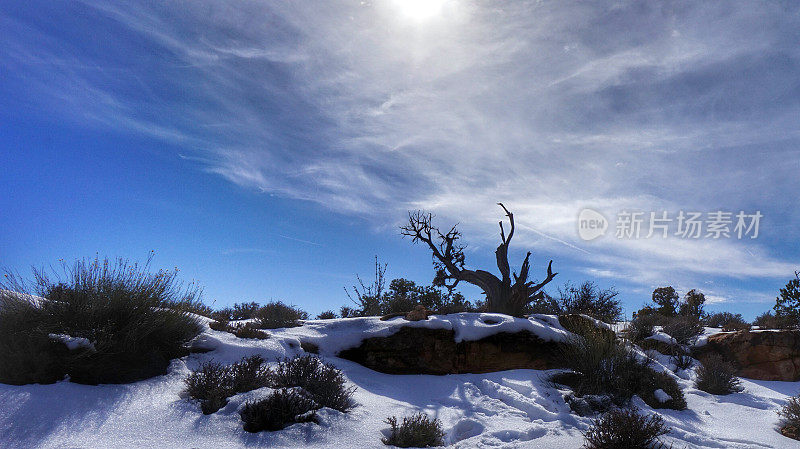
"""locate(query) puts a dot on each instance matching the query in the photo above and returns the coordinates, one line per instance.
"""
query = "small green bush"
(790, 418)
(279, 410)
(681, 358)
(642, 327)
(249, 331)
(402, 296)
(275, 315)
(604, 365)
(788, 301)
(626, 429)
(415, 431)
(219, 325)
(135, 320)
(327, 315)
(250, 373)
(588, 299)
(768, 320)
(239, 311)
(324, 382)
(717, 376)
(684, 329)
(213, 383)
(726, 320)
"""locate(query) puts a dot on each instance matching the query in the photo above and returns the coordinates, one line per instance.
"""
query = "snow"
(333, 336)
(662, 337)
(662, 396)
(73, 343)
(510, 409)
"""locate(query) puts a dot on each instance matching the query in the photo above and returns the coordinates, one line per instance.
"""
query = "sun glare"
(420, 9)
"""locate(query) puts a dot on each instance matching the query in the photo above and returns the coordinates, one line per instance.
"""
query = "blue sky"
(271, 149)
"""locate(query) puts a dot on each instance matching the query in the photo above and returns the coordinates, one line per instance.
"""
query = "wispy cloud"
(547, 106)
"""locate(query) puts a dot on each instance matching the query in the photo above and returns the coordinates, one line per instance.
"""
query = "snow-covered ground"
(518, 408)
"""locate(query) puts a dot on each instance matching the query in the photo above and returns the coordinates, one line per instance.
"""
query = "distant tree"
(545, 304)
(666, 298)
(367, 298)
(403, 295)
(588, 299)
(692, 304)
(787, 304)
(502, 294)
(768, 320)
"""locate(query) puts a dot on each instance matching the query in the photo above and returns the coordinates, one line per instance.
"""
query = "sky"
(270, 150)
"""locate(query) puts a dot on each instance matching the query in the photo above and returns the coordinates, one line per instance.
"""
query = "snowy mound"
(510, 409)
(334, 336)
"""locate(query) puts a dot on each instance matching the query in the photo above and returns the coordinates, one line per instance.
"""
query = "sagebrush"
(715, 375)
(684, 329)
(275, 315)
(790, 418)
(417, 430)
(626, 429)
(279, 410)
(213, 383)
(135, 320)
(324, 382)
(603, 365)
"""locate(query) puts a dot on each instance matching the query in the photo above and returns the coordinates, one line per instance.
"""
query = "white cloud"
(549, 107)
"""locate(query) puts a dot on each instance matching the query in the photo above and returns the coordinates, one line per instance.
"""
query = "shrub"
(219, 325)
(275, 315)
(327, 315)
(249, 331)
(733, 326)
(213, 383)
(667, 299)
(606, 366)
(324, 382)
(415, 431)
(727, 321)
(790, 417)
(250, 373)
(402, 296)
(626, 429)
(788, 301)
(684, 329)
(641, 327)
(682, 359)
(717, 376)
(692, 305)
(239, 311)
(544, 304)
(131, 317)
(279, 410)
(588, 299)
(27, 354)
(190, 304)
(768, 320)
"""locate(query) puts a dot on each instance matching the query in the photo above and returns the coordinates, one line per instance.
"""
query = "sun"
(420, 9)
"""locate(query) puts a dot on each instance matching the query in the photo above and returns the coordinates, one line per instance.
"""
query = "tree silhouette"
(502, 294)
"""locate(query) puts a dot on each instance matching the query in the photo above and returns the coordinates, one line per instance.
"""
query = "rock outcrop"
(419, 350)
(762, 355)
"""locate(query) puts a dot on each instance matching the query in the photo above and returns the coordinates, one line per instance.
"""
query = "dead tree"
(502, 295)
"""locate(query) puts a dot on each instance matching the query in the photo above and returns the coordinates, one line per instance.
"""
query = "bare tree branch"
(449, 261)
